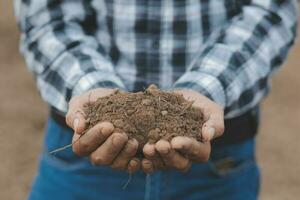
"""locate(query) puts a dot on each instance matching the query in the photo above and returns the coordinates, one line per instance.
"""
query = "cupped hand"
(181, 151)
(101, 143)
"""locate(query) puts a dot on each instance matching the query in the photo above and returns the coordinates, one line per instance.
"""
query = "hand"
(180, 152)
(101, 143)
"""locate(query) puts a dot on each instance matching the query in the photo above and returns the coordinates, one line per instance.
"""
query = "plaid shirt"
(224, 49)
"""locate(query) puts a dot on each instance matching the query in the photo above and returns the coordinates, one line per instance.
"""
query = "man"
(219, 53)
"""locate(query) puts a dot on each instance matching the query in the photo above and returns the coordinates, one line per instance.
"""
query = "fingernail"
(133, 163)
(211, 131)
(75, 124)
(148, 166)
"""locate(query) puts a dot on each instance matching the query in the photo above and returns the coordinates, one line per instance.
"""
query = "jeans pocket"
(234, 159)
(230, 166)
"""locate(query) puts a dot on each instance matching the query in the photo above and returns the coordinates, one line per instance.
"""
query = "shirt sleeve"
(61, 51)
(236, 62)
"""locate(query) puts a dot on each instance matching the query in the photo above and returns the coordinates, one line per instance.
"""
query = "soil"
(147, 116)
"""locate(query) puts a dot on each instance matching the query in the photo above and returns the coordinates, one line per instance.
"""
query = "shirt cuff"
(97, 79)
(203, 83)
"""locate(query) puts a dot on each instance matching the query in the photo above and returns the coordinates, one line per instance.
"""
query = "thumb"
(75, 117)
(213, 128)
(79, 122)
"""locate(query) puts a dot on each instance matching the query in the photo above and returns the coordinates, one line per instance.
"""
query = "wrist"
(203, 83)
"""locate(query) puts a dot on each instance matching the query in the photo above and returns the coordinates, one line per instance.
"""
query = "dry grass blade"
(127, 182)
(64, 147)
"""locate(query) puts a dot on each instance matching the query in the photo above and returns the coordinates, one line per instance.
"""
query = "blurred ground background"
(22, 117)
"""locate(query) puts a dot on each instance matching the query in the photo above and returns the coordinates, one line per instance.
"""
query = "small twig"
(126, 114)
(159, 102)
(127, 182)
(189, 106)
(65, 147)
(60, 149)
(168, 102)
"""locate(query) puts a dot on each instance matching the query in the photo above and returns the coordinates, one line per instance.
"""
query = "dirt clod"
(147, 116)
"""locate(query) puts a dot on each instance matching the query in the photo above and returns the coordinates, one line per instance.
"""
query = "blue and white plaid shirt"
(224, 49)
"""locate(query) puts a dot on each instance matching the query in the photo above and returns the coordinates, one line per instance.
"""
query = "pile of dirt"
(147, 116)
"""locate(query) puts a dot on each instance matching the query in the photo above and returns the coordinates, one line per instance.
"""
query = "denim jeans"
(230, 174)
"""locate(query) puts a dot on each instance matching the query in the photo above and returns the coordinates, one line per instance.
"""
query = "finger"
(93, 138)
(147, 166)
(171, 157)
(75, 139)
(75, 115)
(151, 154)
(196, 151)
(214, 124)
(129, 151)
(134, 165)
(77, 121)
(108, 151)
(149, 150)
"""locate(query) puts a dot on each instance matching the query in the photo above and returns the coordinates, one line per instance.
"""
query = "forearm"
(65, 60)
(236, 63)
